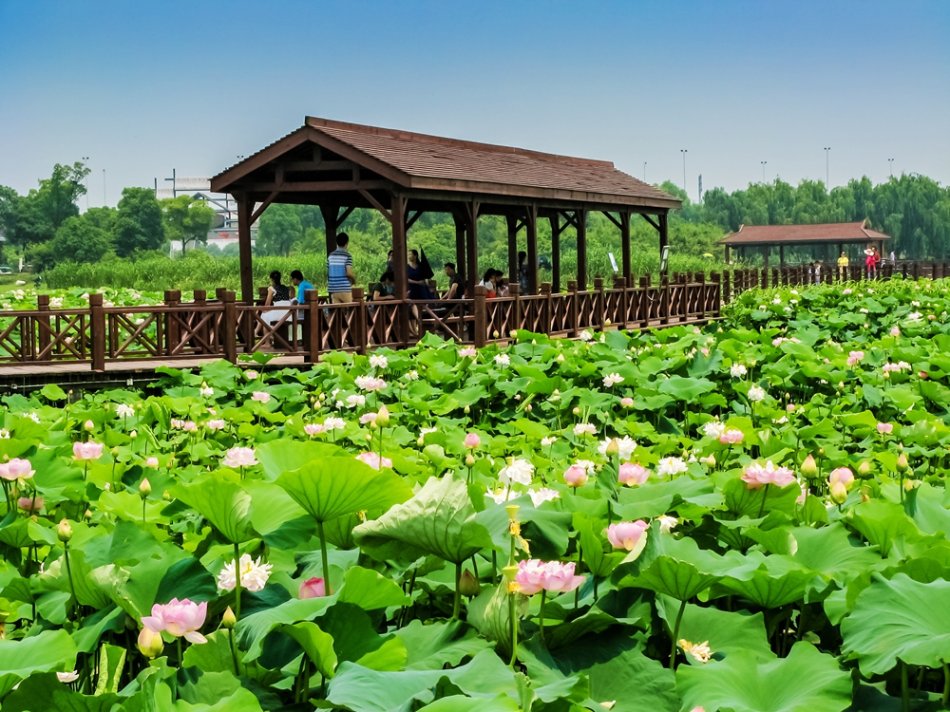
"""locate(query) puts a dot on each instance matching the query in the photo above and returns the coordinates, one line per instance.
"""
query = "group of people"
(496, 284)
(872, 260)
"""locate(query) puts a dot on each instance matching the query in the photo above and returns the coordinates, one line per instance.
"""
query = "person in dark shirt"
(385, 288)
(456, 288)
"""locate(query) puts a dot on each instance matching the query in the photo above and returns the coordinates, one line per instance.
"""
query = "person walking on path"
(340, 275)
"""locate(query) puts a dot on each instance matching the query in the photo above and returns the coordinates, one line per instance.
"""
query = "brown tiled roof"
(429, 161)
(825, 232)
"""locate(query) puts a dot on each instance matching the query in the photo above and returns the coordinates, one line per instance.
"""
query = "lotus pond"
(751, 516)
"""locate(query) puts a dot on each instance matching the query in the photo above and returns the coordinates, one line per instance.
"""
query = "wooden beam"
(471, 216)
(318, 165)
(263, 206)
(556, 228)
(607, 214)
(379, 206)
(244, 247)
(412, 217)
(656, 225)
(331, 220)
(316, 186)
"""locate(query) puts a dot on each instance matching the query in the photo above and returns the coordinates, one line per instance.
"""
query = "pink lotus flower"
(16, 469)
(842, 475)
(472, 441)
(757, 475)
(631, 473)
(575, 475)
(178, 618)
(313, 429)
(731, 437)
(30, 504)
(151, 462)
(535, 575)
(854, 358)
(216, 424)
(627, 535)
(468, 352)
(313, 588)
(626, 402)
(87, 451)
(374, 460)
(260, 396)
(885, 428)
(239, 457)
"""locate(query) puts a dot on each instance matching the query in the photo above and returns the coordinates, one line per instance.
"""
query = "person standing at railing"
(872, 257)
(456, 288)
(843, 265)
(340, 275)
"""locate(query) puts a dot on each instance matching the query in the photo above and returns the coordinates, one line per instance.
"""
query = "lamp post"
(827, 181)
(890, 166)
(644, 171)
(85, 181)
(763, 170)
(684, 151)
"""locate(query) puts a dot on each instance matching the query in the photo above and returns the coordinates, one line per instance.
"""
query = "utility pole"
(890, 165)
(827, 174)
(763, 170)
(172, 179)
(644, 171)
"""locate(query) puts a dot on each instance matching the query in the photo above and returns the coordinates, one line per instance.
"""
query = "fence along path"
(103, 337)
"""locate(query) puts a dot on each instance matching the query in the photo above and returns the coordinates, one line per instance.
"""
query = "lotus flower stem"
(237, 582)
(946, 684)
(765, 496)
(234, 657)
(676, 634)
(541, 614)
(323, 557)
(456, 605)
(69, 574)
(512, 616)
(905, 689)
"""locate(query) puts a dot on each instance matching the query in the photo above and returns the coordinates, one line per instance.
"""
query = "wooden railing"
(224, 328)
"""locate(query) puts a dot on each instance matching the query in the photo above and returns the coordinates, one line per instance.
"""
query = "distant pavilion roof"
(853, 232)
(423, 164)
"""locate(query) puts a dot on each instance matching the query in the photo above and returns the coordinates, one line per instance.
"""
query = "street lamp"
(890, 165)
(827, 181)
(644, 171)
(763, 170)
(684, 151)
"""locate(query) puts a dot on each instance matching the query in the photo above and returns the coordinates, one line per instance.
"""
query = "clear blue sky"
(145, 87)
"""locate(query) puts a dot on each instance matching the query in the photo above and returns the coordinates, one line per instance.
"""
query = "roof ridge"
(317, 123)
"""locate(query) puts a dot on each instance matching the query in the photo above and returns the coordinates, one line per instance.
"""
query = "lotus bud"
(228, 620)
(382, 417)
(910, 485)
(166, 496)
(513, 333)
(133, 434)
(902, 465)
(469, 459)
(576, 410)
(613, 448)
(89, 425)
(145, 488)
(64, 530)
(839, 492)
(865, 468)
(809, 467)
(708, 460)
(150, 643)
(114, 451)
(559, 358)
(495, 333)
(107, 486)
(420, 441)
(468, 584)
(87, 514)
(369, 438)
(528, 407)
(467, 409)
(607, 322)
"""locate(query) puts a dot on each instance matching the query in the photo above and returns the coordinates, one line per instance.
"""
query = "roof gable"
(822, 232)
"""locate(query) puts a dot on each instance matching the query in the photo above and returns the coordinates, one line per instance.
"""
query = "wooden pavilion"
(767, 236)
(341, 166)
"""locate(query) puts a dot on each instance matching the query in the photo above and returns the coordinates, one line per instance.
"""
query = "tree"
(187, 219)
(138, 222)
(57, 195)
(80, 240)
(279, 231)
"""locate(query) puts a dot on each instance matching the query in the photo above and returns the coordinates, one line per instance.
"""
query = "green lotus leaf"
(727, 632)
(279, 456)
(460, 703)
(432, 646)
(805, 681)
(886, 525)
(899, 619)
(49, 651)
(334, 487)
(220, 499)
(315, 643)
(686, 389)
(439, 519)
(359, 688)
(768, 581)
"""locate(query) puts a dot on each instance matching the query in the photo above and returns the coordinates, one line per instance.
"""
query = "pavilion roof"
(422, 164)
(852, 232)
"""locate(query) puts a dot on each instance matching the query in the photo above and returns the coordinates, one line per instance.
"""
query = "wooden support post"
(556, 228)
(599, 308)
(546, 307)
(643, 302)
(472, 209)
(245, 205)
(312, 331)
(625, 259)
(781, 256)
(512, 222)
(664, 299)
(664, 231)
(516, 320)
(359, 320)
(43, 327)
(581, 218)
(620, 288)
(400, 260)
(481, 321)
(531, 230)
(230, 325)
(172, 324)
(97, 332)
(460, 247)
